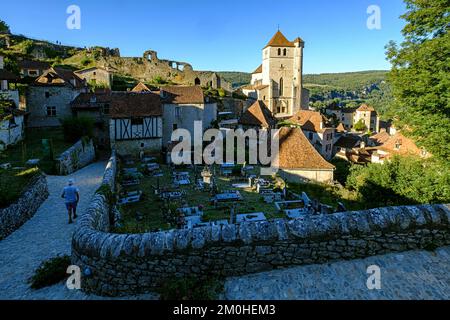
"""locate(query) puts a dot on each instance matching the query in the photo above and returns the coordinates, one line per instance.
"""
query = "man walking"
(72, 195)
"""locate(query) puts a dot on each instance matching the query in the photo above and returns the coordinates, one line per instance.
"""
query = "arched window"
(284, 52)
(281, 87)
(279, 52)
(197, 81)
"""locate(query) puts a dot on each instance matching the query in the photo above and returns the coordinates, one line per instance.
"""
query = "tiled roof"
(32, 64)
(348, 141)
(141, 87)
(90, 69)
(126, 105)
(340, 128)
(309, 120)
(60, 77)
(182, 94)
(296, 152)
(380, 137)
(258, 70)
(91, 100)
(279, 40)
(365, 107)
(258, 115)
(400, 144)
(6, 75)
(261, 87)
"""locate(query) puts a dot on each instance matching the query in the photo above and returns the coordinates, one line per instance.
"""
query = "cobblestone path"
(419, 275)
(44, 236)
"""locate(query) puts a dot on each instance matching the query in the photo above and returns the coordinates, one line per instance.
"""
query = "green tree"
(420, 75)
(360, 126)
(4, 27)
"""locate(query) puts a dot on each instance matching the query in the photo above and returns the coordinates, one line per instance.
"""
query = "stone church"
(278, 81)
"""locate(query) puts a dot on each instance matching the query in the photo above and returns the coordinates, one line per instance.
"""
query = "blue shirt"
(70, 194)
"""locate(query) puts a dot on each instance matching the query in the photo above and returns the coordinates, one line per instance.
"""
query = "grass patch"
(50, 272)
(31, 148)
(13, 183)
(329, 195)
(191, 289)
(147, 215)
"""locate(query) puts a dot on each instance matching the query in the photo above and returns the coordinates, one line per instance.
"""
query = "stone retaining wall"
(76, 157)
(134, 263)
(14, 216)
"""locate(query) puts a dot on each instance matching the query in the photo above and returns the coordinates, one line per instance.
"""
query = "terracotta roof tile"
(309, 120)
(141, 87)
(380, 137)
(279, 40)
(60, 77)
(365, 107)
(182, 94)
(258, 70)
(340, 128)
(127, 104)
(296, 152)
(399, 144)
(258, 115)
(91, 100)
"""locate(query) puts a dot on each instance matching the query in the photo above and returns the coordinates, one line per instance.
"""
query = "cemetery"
(152, 196)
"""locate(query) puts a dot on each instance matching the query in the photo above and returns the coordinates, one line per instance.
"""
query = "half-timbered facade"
(136, 123)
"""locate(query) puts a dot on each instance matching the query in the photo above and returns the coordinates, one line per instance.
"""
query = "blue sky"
(219, 35)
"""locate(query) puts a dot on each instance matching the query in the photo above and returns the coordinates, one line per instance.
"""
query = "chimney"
(1, 63)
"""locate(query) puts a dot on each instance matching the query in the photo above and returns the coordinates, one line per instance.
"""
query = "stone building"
(12, 126)
(95, 105)
(368, 116)
(96, 77)
(350, 116)
(278, 81)
(299, 160)
(49, 97)
(344, 115)
(7, 92)
(150, 66)
(182, 106)
(135, 123)
(316, 129)
(32, 68)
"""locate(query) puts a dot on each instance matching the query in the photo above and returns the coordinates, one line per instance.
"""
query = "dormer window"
(398, 144)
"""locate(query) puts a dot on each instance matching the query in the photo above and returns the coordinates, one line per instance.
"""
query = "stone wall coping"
(88, 240)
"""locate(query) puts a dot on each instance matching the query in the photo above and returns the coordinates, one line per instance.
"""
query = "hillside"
(148, 67)
(348, 81)
(236, 78)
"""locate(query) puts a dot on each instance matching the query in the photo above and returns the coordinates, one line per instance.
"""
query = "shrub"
(221, 92)
(191, 289)
(77, 127)
(50, 272)
(86, 61)
(360, 126)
